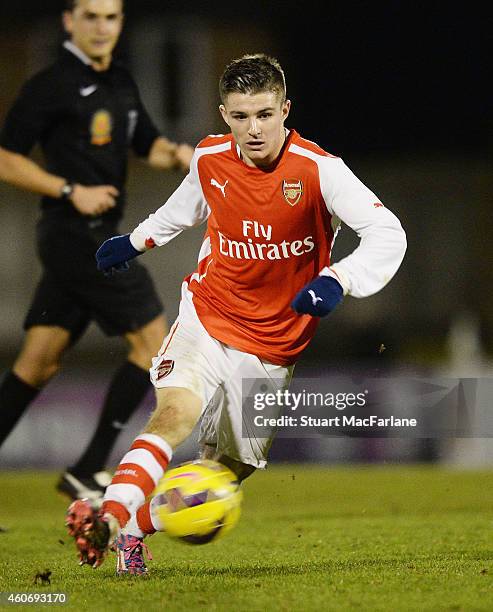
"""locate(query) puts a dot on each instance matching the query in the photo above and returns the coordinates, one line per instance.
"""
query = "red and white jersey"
(269, 233)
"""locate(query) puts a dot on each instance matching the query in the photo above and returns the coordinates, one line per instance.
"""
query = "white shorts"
(190, 358)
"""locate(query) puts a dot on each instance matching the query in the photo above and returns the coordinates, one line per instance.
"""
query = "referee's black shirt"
(85, 121)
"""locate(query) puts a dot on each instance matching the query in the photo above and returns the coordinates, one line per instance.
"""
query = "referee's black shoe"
(84, 487)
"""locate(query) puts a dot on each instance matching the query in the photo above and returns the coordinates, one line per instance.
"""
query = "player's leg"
(173, 420)
(226, 433)
(222, 432)
(137, 475)
(176, 413)
(127, 389)
(210, 426)
(126, 305)
(145, 520)
(186, 373)
(182, 375)
(229, 434)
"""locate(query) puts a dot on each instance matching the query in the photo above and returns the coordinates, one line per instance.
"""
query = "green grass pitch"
(310, 538)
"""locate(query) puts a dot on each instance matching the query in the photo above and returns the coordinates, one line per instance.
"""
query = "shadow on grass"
(284, 569)
(423, 563)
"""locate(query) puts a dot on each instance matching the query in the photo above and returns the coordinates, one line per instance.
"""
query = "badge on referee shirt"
(101, 126)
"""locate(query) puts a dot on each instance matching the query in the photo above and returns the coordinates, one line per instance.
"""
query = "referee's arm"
(166, 155)
(22, 172)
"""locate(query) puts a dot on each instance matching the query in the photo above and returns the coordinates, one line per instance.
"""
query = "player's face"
(257, 125)
(94, 26)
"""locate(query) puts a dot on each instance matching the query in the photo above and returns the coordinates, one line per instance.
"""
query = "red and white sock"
(136, 477)
(145, 521)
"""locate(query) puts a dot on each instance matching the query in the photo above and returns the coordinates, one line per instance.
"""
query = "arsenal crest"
(292, 190)
(165, 368)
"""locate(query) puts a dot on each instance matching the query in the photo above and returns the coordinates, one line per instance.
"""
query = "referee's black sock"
(127, 389)
(15, 397)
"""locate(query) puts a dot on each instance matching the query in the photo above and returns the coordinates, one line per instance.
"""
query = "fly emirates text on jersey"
(262, 250)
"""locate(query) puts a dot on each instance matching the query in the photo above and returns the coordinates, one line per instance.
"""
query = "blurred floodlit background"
(395, 90)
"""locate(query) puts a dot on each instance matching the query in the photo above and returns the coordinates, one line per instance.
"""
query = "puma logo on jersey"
(214, 183)
(87, 91)
(315, 299)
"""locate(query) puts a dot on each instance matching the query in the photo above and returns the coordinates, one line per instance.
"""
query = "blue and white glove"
(115, 253)
(319, 297)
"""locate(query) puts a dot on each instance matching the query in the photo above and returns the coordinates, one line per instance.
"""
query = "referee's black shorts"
(73, 292)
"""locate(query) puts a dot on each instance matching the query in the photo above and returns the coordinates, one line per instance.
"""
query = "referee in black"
(85, 112)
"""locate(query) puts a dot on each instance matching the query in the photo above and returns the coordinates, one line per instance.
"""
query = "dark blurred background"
(398, 89)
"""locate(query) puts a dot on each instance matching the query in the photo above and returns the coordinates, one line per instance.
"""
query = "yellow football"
(198, 502)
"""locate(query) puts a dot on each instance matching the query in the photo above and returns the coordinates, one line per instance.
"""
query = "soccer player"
(273, 202)
(85, 111)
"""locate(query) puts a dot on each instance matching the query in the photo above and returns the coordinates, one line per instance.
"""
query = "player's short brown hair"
(253, 74)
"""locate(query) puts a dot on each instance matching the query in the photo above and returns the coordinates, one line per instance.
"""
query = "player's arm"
(184, 209)
(20, 171)
(380, 251)
(382, 239)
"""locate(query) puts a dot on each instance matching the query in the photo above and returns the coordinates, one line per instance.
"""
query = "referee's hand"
(94, 201)
(114, 254)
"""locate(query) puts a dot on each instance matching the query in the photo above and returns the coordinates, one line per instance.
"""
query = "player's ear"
(285, 108)
(222, 110)
(67, 21)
